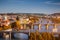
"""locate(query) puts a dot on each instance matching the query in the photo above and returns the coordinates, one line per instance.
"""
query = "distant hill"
(55, 14)
(41, 14)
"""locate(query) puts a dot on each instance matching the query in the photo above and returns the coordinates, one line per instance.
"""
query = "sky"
(30, 6)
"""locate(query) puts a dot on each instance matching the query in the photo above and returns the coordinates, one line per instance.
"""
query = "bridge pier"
(32, 26)
(10, 35)
(24, 26)
(21, 27)
(47, 25)
(29, 32)
(55, 26)
(39, 27)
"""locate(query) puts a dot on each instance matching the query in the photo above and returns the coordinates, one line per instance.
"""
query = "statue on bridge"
(16, 25)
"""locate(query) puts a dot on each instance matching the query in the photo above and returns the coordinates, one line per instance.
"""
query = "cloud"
(53, 3)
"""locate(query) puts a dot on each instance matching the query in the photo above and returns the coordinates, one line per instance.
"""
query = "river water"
(23, 36)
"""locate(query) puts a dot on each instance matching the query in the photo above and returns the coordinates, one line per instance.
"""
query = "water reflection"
(21, 36)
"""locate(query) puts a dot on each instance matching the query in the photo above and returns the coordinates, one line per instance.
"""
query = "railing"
(10, 33)
(39, 26)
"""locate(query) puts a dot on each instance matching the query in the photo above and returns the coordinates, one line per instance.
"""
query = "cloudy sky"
(30, 6)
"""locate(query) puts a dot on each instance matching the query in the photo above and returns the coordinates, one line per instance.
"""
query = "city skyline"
(30, 6)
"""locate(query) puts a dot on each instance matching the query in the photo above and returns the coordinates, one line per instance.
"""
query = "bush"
(41, 36)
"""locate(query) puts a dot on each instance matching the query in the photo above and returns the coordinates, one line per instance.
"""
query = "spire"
(17, 18)
(5, 17)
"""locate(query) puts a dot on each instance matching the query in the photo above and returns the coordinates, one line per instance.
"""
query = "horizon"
(30, 13)
(30, 6)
